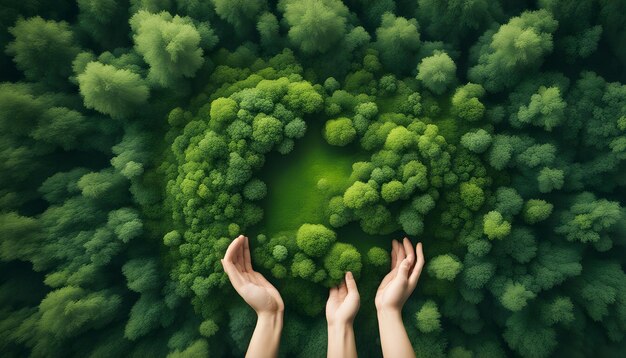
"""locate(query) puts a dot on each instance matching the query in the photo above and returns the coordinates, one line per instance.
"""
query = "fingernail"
(349, 274)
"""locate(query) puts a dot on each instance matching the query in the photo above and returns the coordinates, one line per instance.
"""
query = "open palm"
(343, 301)
(406, 267)
(259, 293)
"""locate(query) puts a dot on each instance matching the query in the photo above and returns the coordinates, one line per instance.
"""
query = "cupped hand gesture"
(406, 267)
(249, 284)
(343, 302)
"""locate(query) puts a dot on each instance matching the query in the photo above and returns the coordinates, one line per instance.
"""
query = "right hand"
(406, 267)
(343, 302)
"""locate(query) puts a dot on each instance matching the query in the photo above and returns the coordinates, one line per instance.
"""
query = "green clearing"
(293, 195)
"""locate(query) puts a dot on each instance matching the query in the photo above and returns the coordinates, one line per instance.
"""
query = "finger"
(230, 254)
(343, 289)
(332, 294)
(408, 249)
(351, 284)
(401, 254)
(234, 276)
(394, 254)
(246, 255)
(240, 261)
(405, 267)
(417, 270)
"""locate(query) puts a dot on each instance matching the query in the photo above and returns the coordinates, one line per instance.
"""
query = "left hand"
(343, 302)
(258, 292)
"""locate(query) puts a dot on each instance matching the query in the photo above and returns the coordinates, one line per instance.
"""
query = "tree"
(528, 337)
(342, 258)
(266, 132)
(43, 49)
(517, 47)
(538, 154)
(223, 112)
(454, 20)
(255, 190)
(472, 195)
(400, 139)
(516, 296)
(146, 315)
(589, 219)
(301, 96)
(315, 26)
(359, 195)
(427, 318)
(550, 179)
(494, 225)
(437, 72)
(239, 13)
(112, 91)
(142, 274)
(315, 239)
(477, 142)
(339, 131)
(397, 40)
(466, 102)
(536, 210)
(69, 310)
(444, 267)
(295, 129)
(392, 191)
(378, 257)
(546, 109)
(170, 45)
(508, 201)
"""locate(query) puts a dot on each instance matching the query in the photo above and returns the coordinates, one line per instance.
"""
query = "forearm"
(266, 337)
(341, 341)
(393, 337)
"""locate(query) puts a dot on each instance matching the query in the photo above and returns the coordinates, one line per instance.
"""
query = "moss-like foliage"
(138, 138)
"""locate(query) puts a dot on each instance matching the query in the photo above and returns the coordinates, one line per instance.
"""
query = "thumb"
(351, 283)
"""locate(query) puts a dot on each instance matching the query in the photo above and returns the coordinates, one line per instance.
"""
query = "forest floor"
(294, 196)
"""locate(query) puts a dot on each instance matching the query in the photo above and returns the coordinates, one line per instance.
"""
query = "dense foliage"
(134, 136)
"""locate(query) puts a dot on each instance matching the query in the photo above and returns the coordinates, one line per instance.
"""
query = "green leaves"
(315, 239)
(315, 26)
(339, 131)
(112, 91)
(518, 46)
(444, 267)
(397, 40)
(43, 49)
(494, 225)
(132, 150)
(437, 72)
(516, 296)
(170, 45)
(427, 318)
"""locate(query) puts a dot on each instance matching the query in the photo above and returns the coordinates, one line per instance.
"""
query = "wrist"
(275, 317)
(389, 312)
(340, 325)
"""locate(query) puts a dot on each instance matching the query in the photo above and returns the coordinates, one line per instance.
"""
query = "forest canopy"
(138, 138)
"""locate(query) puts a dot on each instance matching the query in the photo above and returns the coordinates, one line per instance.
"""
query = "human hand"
(343, 302)
(406, 267)
(259, 293)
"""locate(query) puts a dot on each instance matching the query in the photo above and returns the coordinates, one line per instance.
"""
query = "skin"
(260, 294)
(341, 308)
(342, 305)
(394, 290)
